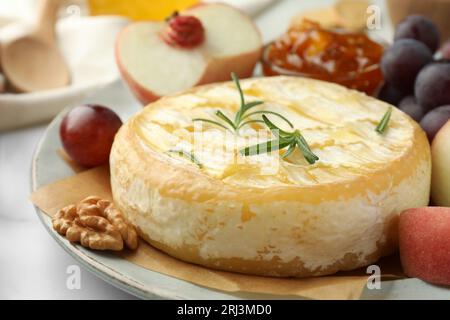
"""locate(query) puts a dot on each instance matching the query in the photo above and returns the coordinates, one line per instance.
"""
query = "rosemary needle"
(283, 139)
(188, 155)
(241, 118)
(382, 125)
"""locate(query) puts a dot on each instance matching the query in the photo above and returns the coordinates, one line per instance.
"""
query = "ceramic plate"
(47, 167)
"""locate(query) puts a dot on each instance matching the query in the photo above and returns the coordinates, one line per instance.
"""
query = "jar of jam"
(308, 50)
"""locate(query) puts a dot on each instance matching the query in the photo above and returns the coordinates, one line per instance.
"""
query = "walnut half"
(97, 224)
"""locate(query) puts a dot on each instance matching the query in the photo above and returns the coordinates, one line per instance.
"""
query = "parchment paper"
(344, 285)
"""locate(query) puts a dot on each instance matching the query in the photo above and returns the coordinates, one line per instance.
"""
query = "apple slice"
(153, 67)
(2, 83)
(424, 239)
(440, 181)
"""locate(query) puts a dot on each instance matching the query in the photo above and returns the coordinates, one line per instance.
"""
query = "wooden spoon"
(32, 61)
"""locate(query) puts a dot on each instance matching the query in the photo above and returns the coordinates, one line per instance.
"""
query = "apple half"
(153, 68)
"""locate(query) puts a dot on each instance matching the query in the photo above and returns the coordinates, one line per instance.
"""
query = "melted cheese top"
(338, 124)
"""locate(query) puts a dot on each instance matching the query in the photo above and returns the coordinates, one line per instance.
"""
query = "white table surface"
(32, 265)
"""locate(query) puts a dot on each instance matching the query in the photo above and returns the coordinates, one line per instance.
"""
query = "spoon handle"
(46, 19)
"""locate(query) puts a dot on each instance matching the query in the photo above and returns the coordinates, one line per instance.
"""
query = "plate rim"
(117, 278)
(94, 266)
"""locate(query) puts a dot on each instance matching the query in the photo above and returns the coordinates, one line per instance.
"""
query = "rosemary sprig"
(188, 155)
(382, 125)
(241, 115)
(283, 139)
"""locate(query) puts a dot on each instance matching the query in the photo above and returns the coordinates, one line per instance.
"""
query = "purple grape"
(432, 87)
(434, 120)
(390, 95)
(421, 29)
(402, 62)
(410, 106)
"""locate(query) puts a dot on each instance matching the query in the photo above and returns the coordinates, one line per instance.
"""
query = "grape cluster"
(416, 82)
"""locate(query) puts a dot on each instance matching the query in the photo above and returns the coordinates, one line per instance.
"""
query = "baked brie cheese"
(193, 194)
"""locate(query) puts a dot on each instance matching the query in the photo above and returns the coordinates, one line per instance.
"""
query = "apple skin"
(2, 83)
(440, 181)
(220, 69)
(424, 239)
(217, 69)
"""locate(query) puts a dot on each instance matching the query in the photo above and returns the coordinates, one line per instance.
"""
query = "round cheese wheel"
(191, 193)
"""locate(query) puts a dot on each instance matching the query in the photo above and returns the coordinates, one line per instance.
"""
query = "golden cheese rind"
(281, 229)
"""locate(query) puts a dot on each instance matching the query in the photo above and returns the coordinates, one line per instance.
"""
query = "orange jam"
(350, 59)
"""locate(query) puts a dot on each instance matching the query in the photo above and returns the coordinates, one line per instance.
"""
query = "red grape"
(432, 87)
(421, 29)
(434, 120)
(402, 62)
(410, 106)
(390, 95)
(87, 133)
